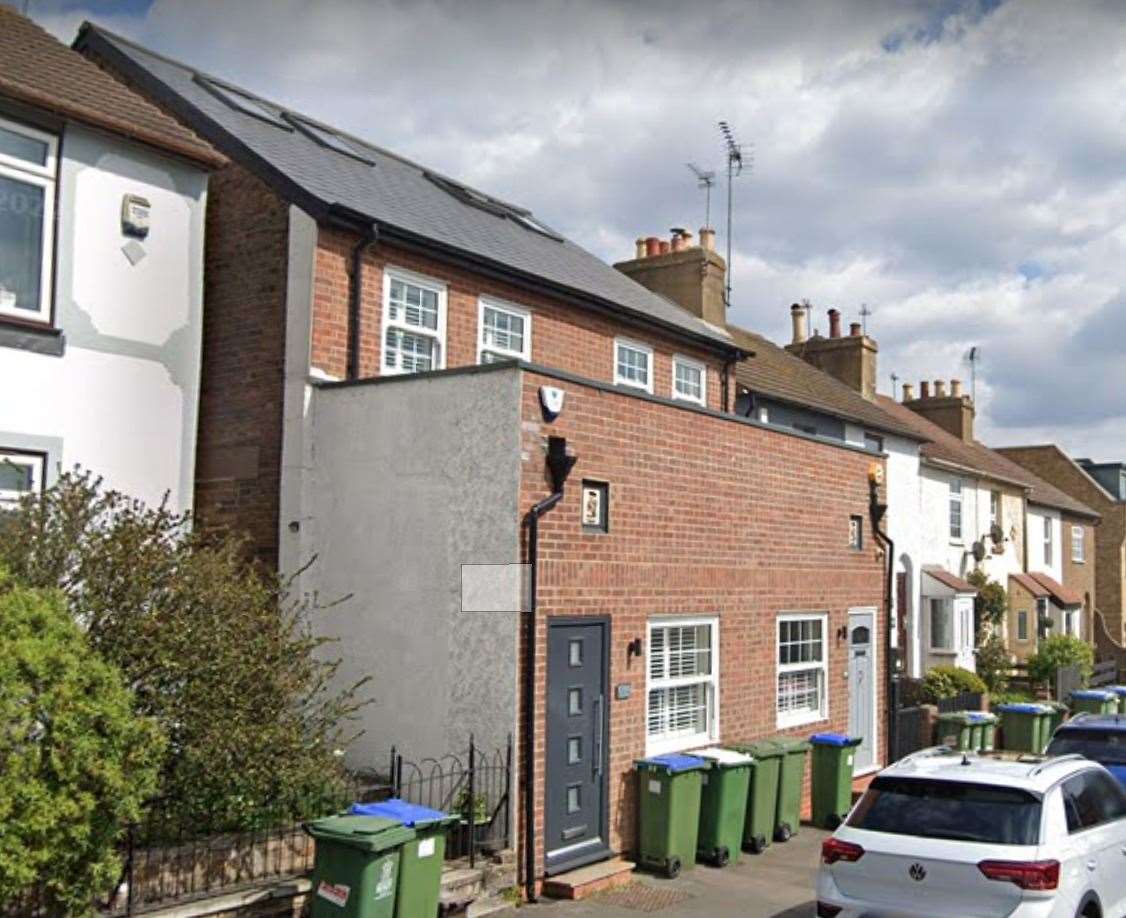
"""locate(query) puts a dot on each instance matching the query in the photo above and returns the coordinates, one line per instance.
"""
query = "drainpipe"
(876, 512)
(559, 465)
(355, 298)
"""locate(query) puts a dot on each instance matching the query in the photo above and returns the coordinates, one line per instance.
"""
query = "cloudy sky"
(958, 166)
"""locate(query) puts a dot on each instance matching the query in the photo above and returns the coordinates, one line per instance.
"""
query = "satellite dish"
(979, 551)
(997, 534)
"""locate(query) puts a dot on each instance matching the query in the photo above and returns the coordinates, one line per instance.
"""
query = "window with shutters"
(505, 332)
(956, 510)
(802, 670)
(689, 380)
(1078, 548)
(414, 323)
(683, 682)
(633, 365)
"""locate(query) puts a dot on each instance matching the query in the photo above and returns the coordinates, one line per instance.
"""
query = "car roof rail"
(1057, 760)
(928, 753)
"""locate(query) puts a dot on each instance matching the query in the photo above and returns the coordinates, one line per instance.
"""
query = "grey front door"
(862, 686)
(577, 732)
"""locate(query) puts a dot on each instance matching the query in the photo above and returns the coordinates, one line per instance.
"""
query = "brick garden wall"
(708, 516)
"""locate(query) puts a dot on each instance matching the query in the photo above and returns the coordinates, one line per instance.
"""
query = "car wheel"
(722, 856)
(672, 868)
(783, 833)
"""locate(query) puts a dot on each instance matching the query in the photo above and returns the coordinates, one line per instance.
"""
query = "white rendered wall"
(1036, 560)
(122, 400)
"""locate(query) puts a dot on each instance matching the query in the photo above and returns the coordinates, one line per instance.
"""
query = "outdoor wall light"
(633, 649)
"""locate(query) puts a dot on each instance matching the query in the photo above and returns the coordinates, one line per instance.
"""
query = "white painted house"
(102, 202)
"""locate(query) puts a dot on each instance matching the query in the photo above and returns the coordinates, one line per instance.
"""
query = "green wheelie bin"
(1094, 701)
(833, 755)
(1120, 691)
(356, 866)
(420, 861)
(985, 730)
(669, 811)
(1057, 714)
(762, 794)
(787, 813)
(1023, 726)
(723, 805)
(956, 730)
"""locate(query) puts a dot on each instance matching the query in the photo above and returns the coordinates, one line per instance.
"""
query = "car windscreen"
(949, 810)
(1104, 746)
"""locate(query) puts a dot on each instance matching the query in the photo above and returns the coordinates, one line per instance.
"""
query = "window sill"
(790, 723)
(621, 383)
(36, 337)
(680, 744)
(936, 652)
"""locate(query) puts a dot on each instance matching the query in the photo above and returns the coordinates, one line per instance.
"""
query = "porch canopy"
(1033, 587)
(1060, 595)
(943, 584)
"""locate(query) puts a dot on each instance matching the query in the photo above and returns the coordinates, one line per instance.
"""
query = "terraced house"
(432, 391)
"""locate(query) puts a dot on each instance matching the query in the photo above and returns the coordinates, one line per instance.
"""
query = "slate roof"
(943, 576)
(408, 202)
(775, 372)
(944, 448)
(1061, 595)
(39, 71)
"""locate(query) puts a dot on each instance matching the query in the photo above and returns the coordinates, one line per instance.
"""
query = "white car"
(945, 833)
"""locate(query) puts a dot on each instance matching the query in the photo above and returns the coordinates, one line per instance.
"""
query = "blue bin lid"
(1093, 694)
(675, 762)
(834, 739)
(1117, 689)
(978, 717)
(1023, 707)
(410, 815)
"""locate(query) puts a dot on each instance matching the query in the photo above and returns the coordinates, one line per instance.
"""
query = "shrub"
(1009, 698)
(76, 763)
(993, 663)
(991, 603)
(1061, 650)
(216, 649)
(948, 681)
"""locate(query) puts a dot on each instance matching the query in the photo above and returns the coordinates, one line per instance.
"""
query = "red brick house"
(433, 392)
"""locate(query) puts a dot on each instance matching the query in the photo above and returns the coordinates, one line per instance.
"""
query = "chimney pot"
(665, 247)
(940, 388)
(677, 241)
(924, 389)
(854, 329)
(834, 323)
(956, 388)
(797, 316)
(652, 246)
(908, 392)
(640, 248)
(707, 238)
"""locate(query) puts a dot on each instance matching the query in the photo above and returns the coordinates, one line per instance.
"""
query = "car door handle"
(1092, 865)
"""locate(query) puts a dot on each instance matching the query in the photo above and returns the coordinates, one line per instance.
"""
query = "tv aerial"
(735, 163)
(704, 179)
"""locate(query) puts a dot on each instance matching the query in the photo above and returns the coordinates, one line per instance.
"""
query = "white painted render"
(1038, 519)
(122, 399)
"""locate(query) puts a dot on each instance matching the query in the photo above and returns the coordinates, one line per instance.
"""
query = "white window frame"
(488, 302)
(1022, 615)
(956, 495)
(1078, 541)
(642, 348)
(681, 360)
(44, 177)
(995, 513)
(439, 334)
(785, 721)
(660, 745)
(37, 462)
(1049, 540)
(948, 604)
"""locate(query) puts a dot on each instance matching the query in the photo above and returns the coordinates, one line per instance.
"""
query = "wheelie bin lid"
(1057, 706)
(411, 815)
(840, 740)
(1093, 694)
(723, 758)
(762, 749)
(981, 717)
(1023, 707)
(790, 744)
(366, 833)
(1119, 690)
(956, 717)
(673, 762)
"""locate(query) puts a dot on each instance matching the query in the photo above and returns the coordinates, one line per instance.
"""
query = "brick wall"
(1020, 600)
(240, 420)
(707, 517)
(564, 337)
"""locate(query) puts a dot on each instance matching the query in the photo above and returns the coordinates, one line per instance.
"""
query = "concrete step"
(489, 905)
(586, 881)
(462, 883)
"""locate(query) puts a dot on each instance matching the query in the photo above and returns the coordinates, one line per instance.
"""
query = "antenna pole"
(894, 383)
(864, 313)
(734, 168)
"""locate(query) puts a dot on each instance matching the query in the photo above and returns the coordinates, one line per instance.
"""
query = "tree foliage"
(76, 761)
(1061, 650)
(993, 663)
(948, 681)
(217, 650)
(991, 604)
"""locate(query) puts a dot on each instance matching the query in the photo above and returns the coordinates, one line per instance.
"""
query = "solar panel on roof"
(241, 101)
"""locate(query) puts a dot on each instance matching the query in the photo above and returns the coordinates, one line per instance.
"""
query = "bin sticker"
(654, 786)
(849, 762)
(704, 780)
(426, 847)
(336, 893)
(386, 885)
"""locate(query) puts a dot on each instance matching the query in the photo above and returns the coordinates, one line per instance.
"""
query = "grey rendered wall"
(410, 479)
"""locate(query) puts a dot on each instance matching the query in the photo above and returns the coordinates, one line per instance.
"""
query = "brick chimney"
(692, 276)
(954, 413)
(850, 358)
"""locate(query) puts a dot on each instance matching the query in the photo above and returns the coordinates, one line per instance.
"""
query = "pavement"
(778, 883)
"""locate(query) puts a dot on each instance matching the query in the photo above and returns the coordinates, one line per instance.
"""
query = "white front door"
(862, 685)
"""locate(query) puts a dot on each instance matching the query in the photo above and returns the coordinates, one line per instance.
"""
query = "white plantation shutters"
(683, 684)
(414, 325)
(505, 333)
(802, 668)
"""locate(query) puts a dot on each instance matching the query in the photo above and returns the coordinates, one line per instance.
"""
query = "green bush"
(991, 603)
(1061, 650)
(948, 681)
(215, 648)
(1009, 698)
(993, 663)
(76, 762)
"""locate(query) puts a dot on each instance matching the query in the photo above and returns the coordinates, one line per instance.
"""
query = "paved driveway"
(777, 883)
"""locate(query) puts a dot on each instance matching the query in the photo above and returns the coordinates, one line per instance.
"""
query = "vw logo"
(917, 872)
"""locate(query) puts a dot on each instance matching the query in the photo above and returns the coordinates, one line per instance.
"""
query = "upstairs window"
(683, 697)
(505, 333)
(995, 508)
(956, 510)
(874, 443)
(21, 473)
(27, 200)
(689, 380)
(633, 365)
(1048, 547)
(1078, 545)
(414, 324)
